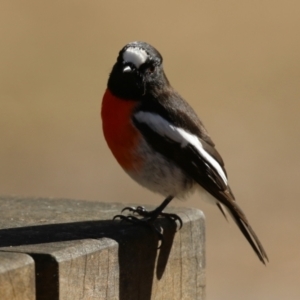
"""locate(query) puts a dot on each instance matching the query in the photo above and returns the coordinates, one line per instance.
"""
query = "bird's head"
(138, 70)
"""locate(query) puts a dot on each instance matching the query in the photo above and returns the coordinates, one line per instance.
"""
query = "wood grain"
(17, 276)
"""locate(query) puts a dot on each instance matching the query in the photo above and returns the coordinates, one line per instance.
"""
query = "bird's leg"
(152, 214)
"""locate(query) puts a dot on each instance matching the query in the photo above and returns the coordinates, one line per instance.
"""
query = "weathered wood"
(80, 253)
(83, 269)
(17, 277)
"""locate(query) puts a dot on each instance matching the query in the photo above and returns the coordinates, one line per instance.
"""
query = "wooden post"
(80, 253)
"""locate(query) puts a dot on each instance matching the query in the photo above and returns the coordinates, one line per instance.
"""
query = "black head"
(137, 72)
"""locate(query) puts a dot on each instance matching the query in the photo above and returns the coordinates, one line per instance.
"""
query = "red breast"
(120, 134)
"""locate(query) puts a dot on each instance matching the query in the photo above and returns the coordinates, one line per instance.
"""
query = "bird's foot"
(147, 219)
(152, 215)
(148, 216)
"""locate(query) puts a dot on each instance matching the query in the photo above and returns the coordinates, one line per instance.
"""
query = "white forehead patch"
(135, 55)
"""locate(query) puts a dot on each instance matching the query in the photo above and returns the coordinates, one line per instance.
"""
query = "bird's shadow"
(137, 252)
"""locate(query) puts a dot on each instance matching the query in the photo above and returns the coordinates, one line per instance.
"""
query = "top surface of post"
(19, 211)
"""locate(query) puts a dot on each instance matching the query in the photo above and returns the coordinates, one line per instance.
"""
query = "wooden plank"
(82, 254)
(17, 277)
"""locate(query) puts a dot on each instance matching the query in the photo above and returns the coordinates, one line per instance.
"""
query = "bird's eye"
(151, 68)
(148, 67)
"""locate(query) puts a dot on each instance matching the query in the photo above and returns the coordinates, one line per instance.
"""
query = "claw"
(130, 219)
(173, 217)
(118, 216)
(129, 208)
(141, 209)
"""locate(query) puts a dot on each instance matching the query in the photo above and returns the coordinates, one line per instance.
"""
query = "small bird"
(158, 139)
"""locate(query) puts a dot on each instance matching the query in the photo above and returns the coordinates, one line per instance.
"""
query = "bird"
(160, 142)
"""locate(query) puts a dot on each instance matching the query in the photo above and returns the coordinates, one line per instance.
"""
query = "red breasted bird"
(158, 139)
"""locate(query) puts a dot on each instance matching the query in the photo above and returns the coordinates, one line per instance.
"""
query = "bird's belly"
(159, 174)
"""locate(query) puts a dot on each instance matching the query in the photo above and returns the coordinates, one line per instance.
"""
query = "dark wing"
(173, 108)
(200, 161)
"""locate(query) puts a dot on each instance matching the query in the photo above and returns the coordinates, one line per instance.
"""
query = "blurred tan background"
(236, 62)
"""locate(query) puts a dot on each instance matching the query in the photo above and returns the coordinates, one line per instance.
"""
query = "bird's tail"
(243, 224)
